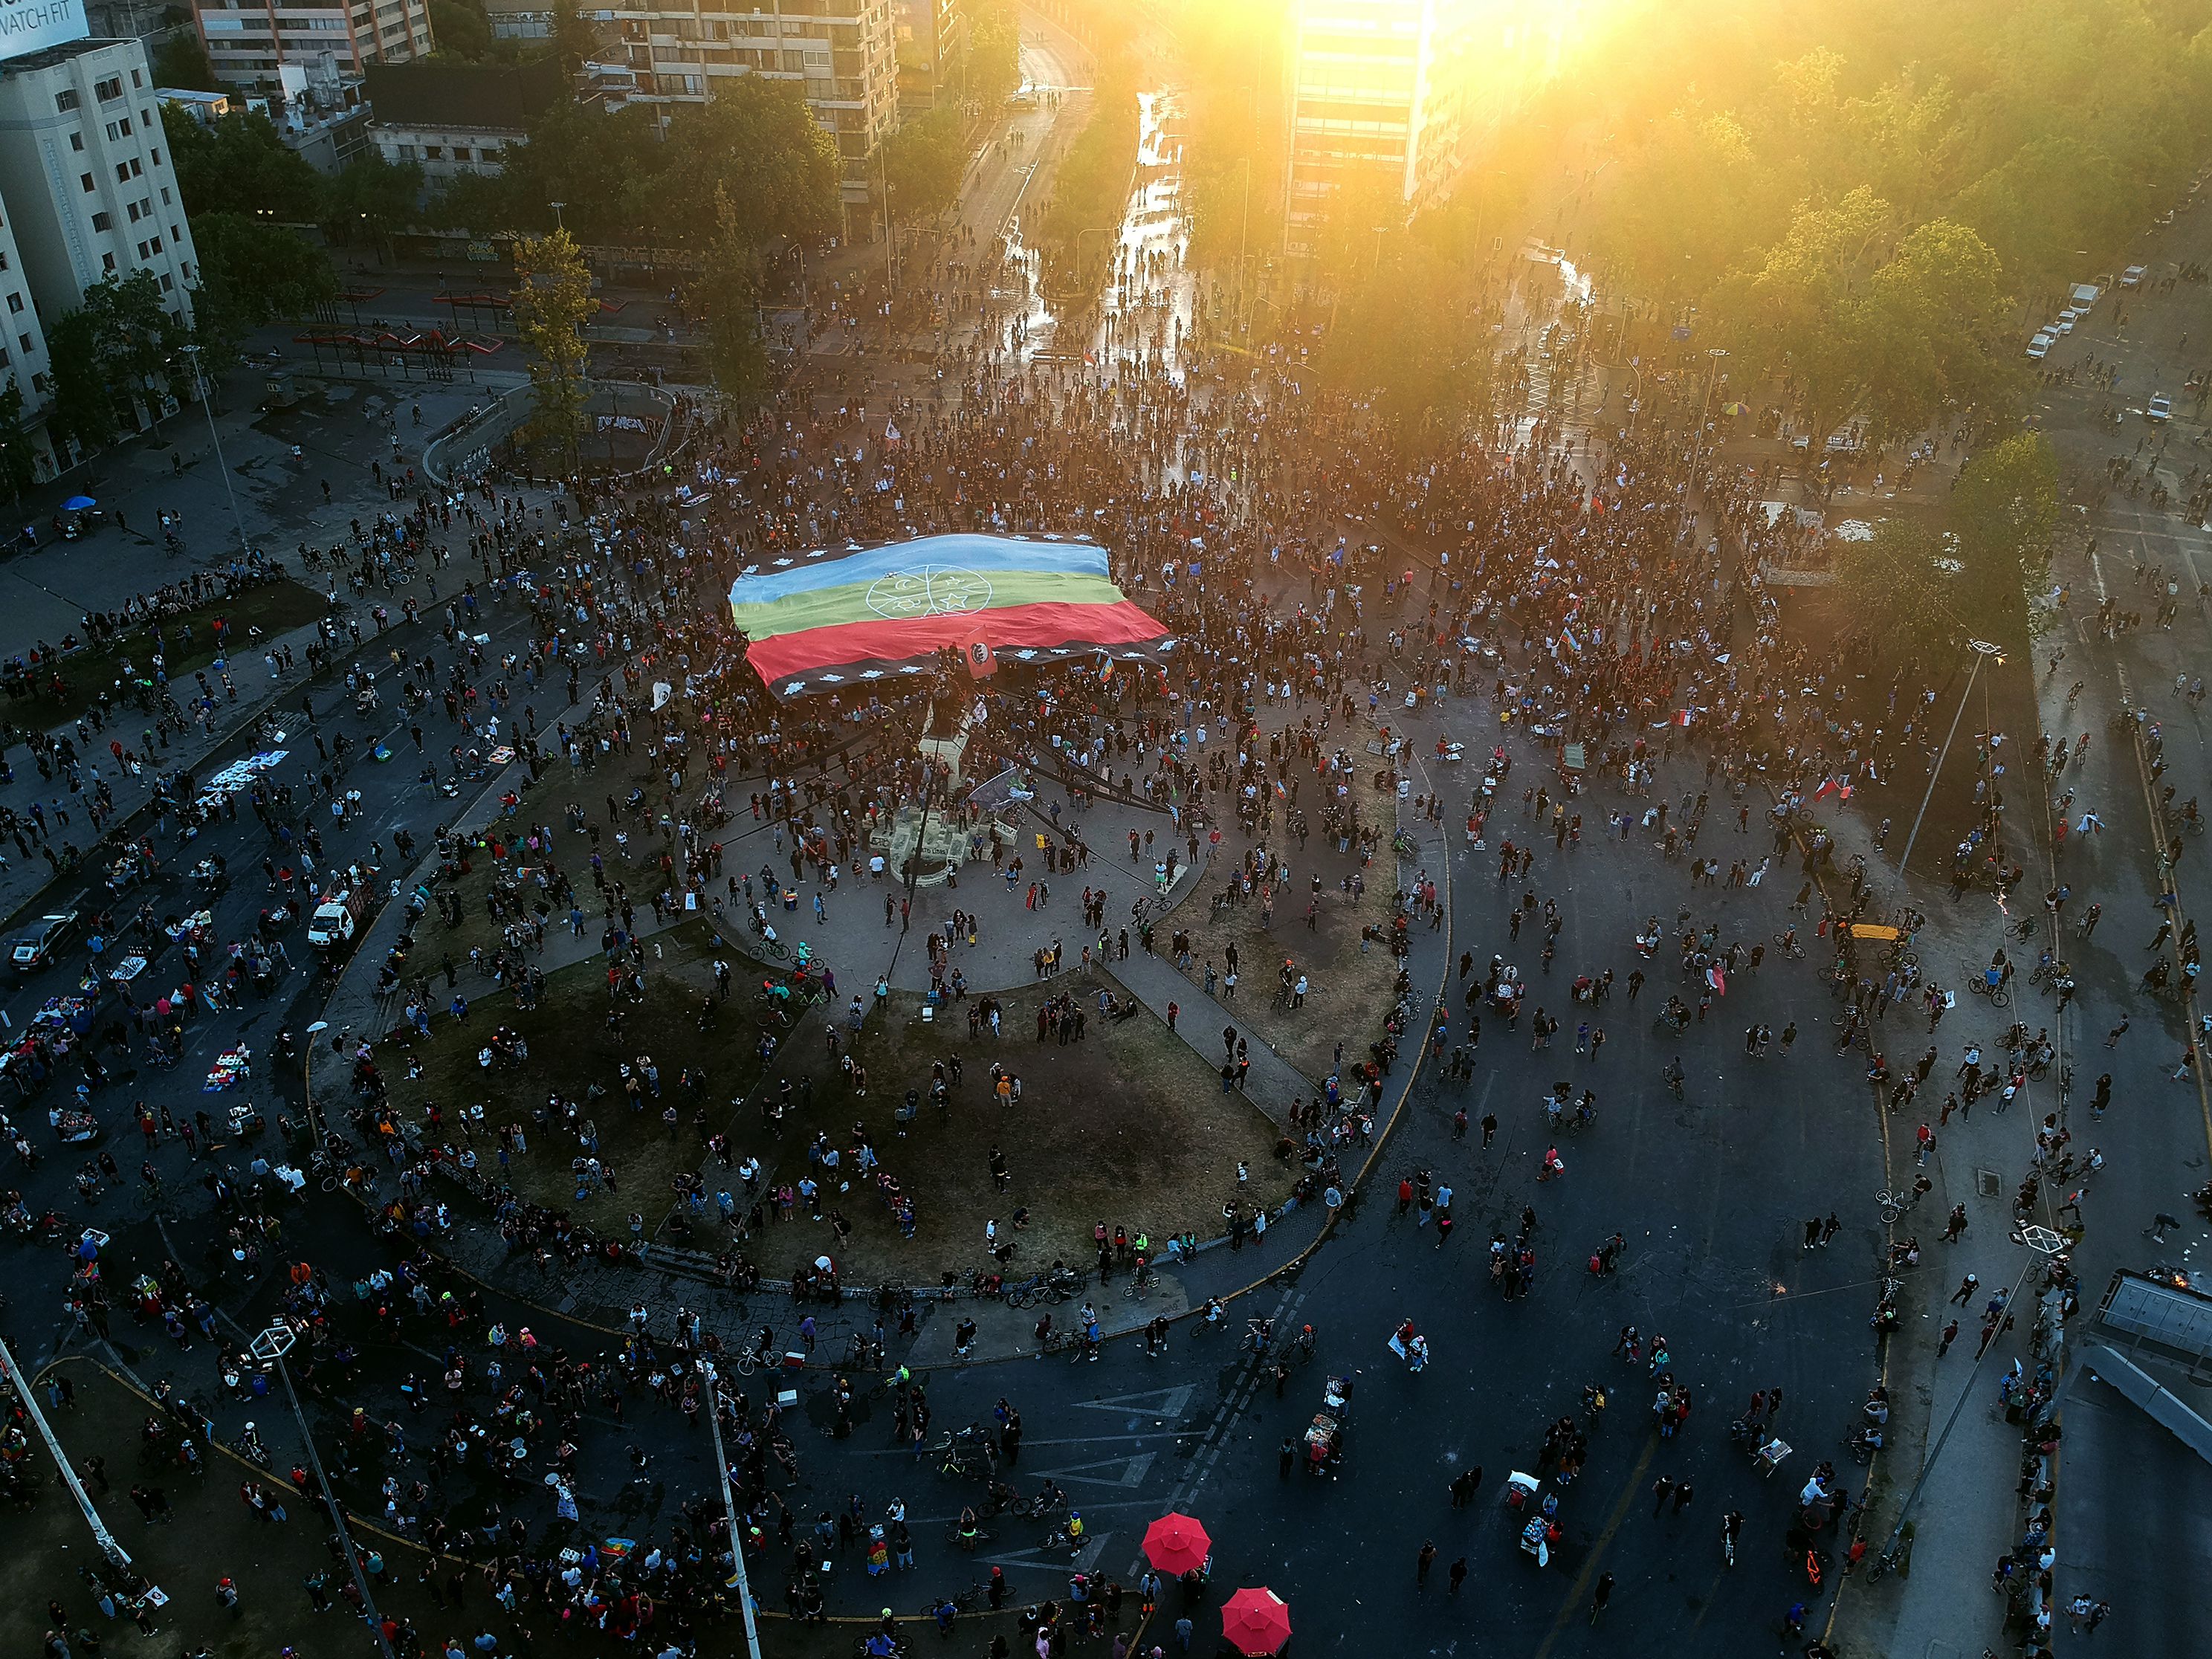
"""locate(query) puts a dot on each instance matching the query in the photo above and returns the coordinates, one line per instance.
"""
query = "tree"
(83, 410)
(18, 464)
(995, 51)
(552, 300)
(574, 38)
(2003, 514)
(1801, 313)
(922, 164)
(461, 27)
(181, 61)
(252, 272)
(239, 165)
(757, 144)
(1903, 581)
(726, 296)
(371, 198)
(110, 353)
(1938, 330)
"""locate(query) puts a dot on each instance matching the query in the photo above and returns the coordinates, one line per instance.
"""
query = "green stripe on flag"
(889, 601)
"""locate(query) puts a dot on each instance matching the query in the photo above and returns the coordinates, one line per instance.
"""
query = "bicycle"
(1141, 1286)
(774, 947)
(1894, 1203)
(1789, 945)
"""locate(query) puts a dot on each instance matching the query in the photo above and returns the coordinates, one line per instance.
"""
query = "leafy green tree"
(1903, 581)
(371, 198)
(181, 61)
(253, 272)
(83, 408)
(922, 164)
(239, 165)
(1938, 330)
(1799, 313)
(574, 38)
(758, 144)
(462, 29)
(18, 463)
(2002, 516)
(994, 50)
(552, 300)
(473, 201)
(726, 296)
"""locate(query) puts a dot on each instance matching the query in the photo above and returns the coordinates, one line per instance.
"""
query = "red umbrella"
(1177, 1544)
(1255, 1621)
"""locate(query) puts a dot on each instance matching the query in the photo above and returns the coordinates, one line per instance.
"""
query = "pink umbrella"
(1255, 1621)
(1177, 1544)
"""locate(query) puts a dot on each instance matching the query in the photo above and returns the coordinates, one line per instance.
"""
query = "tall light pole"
(1705, 407)
(272, 1344)
(11, 1372)
(207, 406)
(730, 1511)
(1982, 651)
(307, 1083)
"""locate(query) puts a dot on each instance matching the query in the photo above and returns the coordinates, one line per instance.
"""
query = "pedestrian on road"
(1423, 1562)
(1683, 1493)
(2113, 1037)
(1601, 1595)
(1950, 1335)
(1458, 1574)
(1964, 1296)
(1662, 1489)
(1287, 1458)
(1489, 1127)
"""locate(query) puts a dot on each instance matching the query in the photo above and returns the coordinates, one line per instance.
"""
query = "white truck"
(336, 918)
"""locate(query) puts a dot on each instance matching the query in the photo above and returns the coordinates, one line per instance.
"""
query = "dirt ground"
(211, 1536)
(1347, 993)
(276, 608)
(1127, 1127)
(573, 1048)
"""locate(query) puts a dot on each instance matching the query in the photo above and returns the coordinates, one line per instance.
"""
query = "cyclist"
(1212, 1316)
(1260, 1332)
(1674, 1074)
(1305, 1341)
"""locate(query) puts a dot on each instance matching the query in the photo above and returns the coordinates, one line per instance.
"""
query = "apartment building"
(249, 41)
(1393, 95)
(932, 54)
(843, 53)
(85, 175)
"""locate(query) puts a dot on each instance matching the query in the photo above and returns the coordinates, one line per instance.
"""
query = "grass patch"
(189, 644)
(1127, 1127)
(1348, 991)
(573, 1048)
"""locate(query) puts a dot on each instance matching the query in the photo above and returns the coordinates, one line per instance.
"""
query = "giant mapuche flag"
(817, 622)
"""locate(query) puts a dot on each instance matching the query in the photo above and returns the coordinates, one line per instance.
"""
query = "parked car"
(2133, 276)
(2040, 346)
(2160, 408)
(34, 950)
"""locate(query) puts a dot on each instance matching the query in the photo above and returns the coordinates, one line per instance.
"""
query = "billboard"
(28, 26)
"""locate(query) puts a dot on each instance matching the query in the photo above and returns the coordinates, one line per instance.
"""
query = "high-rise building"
(249, 41)
(86, 177)
(1390, 96)
(842, 53)
(932, 54)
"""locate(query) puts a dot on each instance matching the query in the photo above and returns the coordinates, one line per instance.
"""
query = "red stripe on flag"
(1011, 627)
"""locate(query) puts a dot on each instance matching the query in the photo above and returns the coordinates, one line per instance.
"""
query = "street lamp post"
(730, 1511)
(207, 405)
(308, 1084)
(106, 1541)
(1705, 407)
(1982, 651)
(272, 1344)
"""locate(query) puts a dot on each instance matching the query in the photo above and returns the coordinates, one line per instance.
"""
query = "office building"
(1391, 97)
(249, 41)
(841, 52)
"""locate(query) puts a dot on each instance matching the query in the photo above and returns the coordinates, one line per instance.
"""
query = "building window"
(86, 180)
(168, 282)
(107, 262)
(103, 221)
(24, 340)
(131, 211)
(136, 80)
(15, 302)
(38, 384)
(434, 152)
(109, 90)
(165, 195)
(154, 156)
(76, 140)
(157, 245)
(65, 101)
